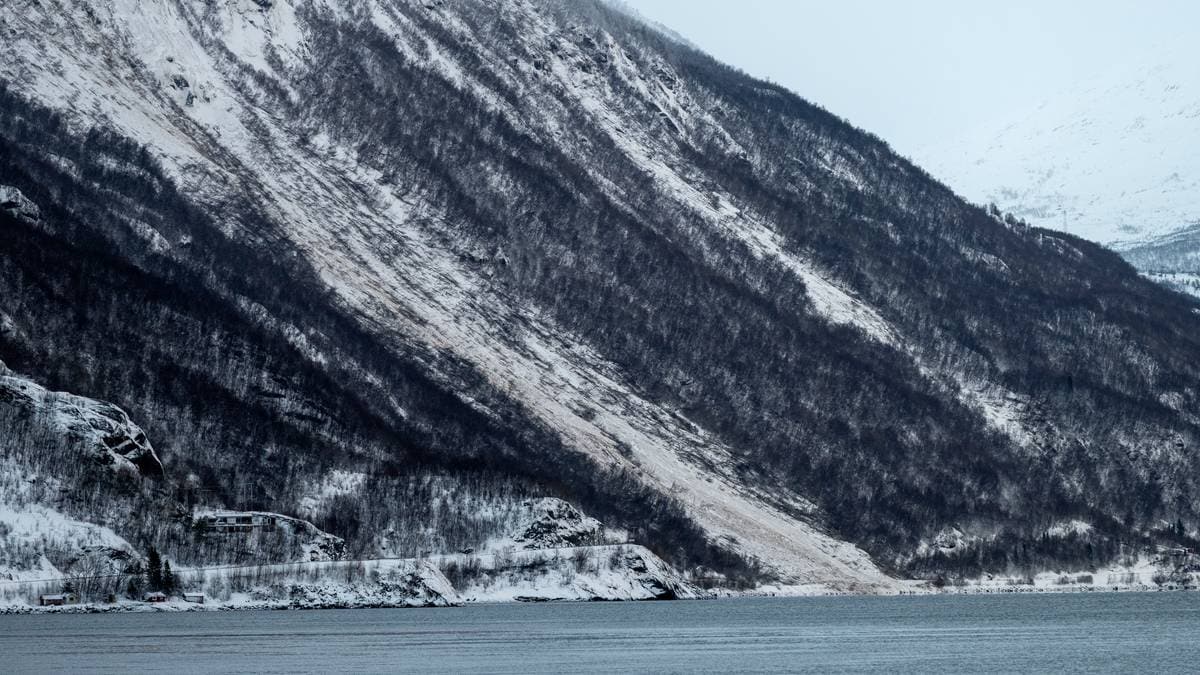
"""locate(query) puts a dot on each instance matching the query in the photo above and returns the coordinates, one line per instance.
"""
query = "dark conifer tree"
(154, 570)
(168, 578)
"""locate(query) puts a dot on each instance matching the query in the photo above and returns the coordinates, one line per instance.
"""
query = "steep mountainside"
(538, 248)
(1110, 160)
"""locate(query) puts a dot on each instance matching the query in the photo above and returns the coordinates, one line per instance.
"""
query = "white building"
(239, 521)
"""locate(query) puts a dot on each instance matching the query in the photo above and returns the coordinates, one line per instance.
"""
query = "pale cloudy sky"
(915, 71)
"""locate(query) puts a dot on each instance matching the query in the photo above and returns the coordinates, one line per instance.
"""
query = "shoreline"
(179, 606)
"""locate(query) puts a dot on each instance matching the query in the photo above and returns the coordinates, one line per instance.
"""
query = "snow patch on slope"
(1069, 527)
(1003, 410)
(33, 535)
(335, 484)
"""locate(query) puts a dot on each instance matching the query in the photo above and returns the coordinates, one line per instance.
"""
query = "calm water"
(953, 634)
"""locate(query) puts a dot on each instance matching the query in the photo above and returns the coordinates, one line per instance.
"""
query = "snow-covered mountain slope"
(1113, 159)
(1172, 259)
(340, 244)
(439, 301)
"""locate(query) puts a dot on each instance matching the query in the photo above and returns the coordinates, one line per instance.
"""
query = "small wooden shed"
(57, 599)
(197, 598)
(155, 596)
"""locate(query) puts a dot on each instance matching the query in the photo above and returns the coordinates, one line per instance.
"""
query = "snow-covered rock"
(101, 425)
(556, 552)
(609, 572)
(553, 523)
(422, 585)
(947, 541)
(17, 204)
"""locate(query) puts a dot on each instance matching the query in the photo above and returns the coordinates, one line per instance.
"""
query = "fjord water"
(1124, 632)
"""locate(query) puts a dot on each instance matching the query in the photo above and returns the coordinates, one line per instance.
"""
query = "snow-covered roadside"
(606, 572)
(1140, 575)
(316, 585)
(609, 572)
(902, 587)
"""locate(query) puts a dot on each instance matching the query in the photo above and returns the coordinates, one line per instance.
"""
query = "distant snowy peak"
(1111, 160)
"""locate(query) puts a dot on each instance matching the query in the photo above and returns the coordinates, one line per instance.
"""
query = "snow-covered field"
(33, 534)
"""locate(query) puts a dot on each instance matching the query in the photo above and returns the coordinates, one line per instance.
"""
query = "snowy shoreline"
(918, 589)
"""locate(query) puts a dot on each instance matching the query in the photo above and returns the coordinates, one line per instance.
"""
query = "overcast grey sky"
(914, 71)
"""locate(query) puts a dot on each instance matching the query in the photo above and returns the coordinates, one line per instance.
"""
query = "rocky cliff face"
(100, 426)
(539, 248)
(553, 523)
(17, 205)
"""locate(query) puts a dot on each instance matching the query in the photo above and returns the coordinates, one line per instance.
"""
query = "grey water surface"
(1085, 632)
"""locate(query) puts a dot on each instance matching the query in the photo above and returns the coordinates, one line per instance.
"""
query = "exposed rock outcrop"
(422, 586)
(104, 426)
(17, 204)
(587, 573)
(556, 524)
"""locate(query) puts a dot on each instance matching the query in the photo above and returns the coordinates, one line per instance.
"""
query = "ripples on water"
(1128, 632)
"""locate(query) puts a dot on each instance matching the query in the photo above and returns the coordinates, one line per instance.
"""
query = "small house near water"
(57, 599)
